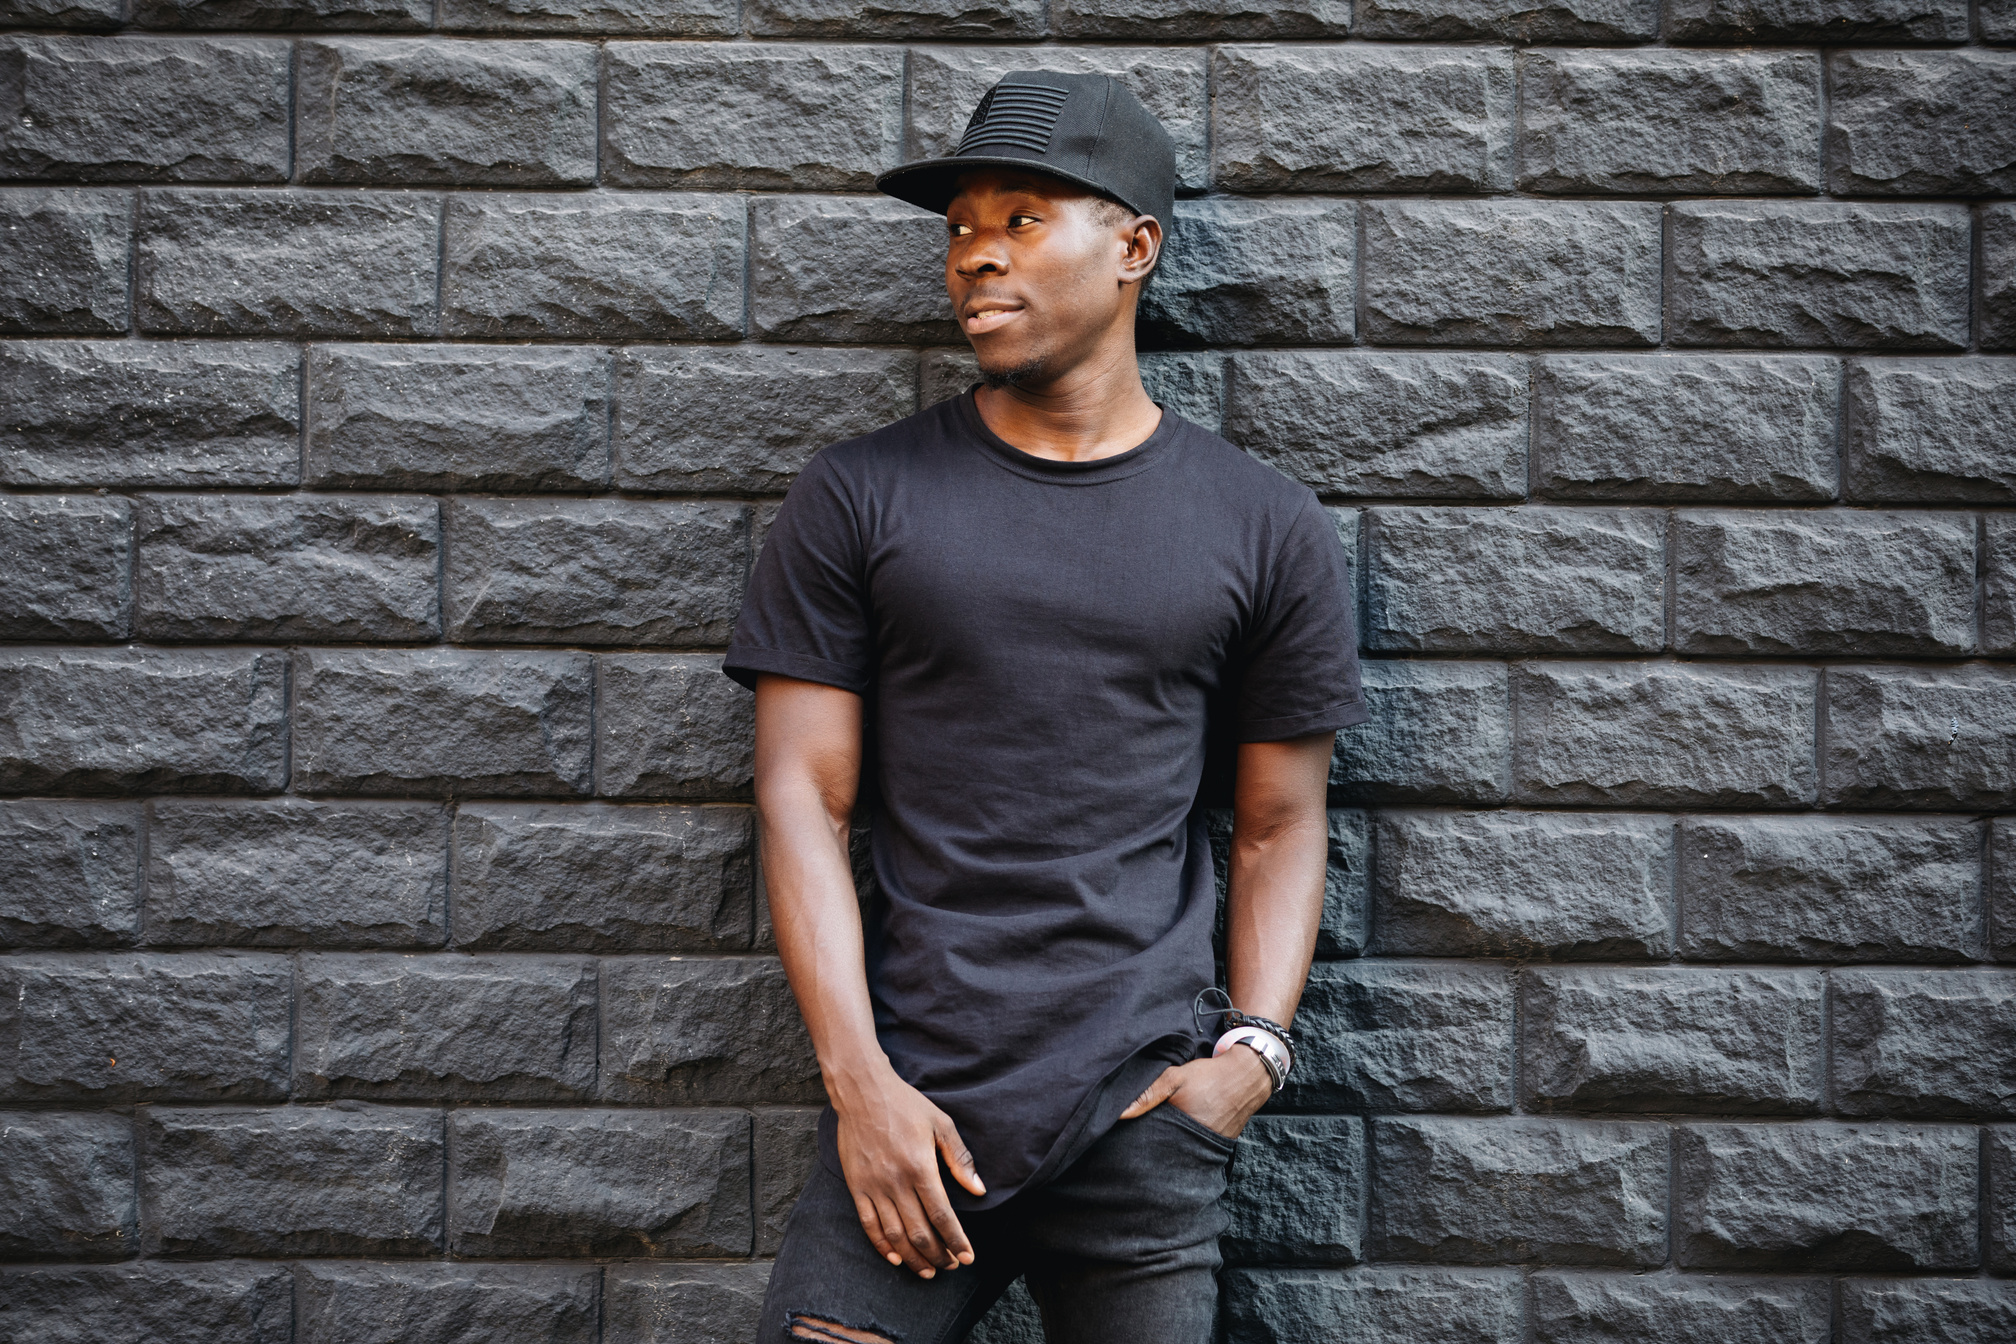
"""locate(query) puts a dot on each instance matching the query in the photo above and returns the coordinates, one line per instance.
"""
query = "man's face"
(1040, 272)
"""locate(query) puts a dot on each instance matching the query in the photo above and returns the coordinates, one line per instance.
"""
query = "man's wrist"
(857, 1081)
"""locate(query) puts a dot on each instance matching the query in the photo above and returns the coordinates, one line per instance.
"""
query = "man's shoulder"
(890, 444)
(1244, 478)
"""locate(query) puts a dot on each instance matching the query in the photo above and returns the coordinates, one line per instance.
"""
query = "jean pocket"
(1224, 1143)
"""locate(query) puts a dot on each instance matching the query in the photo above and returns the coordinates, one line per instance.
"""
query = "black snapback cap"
(1086, 129)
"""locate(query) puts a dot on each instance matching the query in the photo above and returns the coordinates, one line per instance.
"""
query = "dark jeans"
(1121, 1246)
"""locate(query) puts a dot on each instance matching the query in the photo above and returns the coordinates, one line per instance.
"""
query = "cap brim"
(932, 183)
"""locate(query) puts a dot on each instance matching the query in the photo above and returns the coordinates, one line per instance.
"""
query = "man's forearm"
(1280, 851)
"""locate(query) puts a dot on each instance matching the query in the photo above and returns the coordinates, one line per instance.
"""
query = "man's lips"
(982, 316)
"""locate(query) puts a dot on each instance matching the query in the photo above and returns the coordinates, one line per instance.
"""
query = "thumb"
(1159, 1091)
(958, 1158)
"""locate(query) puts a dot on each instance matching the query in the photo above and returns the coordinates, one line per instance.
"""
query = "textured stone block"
(1519, 20)
(287, 567)
(1519, 1191)
(1916, 123)
(1952, 1311)
(62, 13)
(848, 268)
(1539, 580)
(787, 1148)
(1998, 20)
(1392, 1037)
(442, 721)
(1191, 385)
(1996, 309)
(1766, 273)
(1511, 273)
(435, 111)
(69, 874)
(458, 417)
(2000, 1205)
(602, 571)
(946, 84)
(311, 15)
(1362, 118)
(747, 418)
(657, 266)
(445, 1028)
(1401, 1306)
(1373, 423)
(1664, 735)
(1694, 427)
(67, 1183)
(1829, 889)
(68, 556)
(1645, 1308)
(1998, 584)
(629, 1183)
(288, 872)
(737, 115)
(703, 1031)
(660, 18)
(349, 1303)
(607, 879)
(1818, 20)
(1924, 1043)
(1825, 1196)
(1255, 272)
(671, 726)
(1934, 430)
(1127, 20)
(1921, 737)
(144, 1026)
(299, 1180)
(1439, 733)
(63, 259)
(1298, 1191)
(148, 1300)
(907, 19)
(1836, 582)
(287, 263)
(1671, 1039)
(163, 720)
(119, 413)
(1655, 121)
(1523, 884)
(2002, 888)
(683, 1304)
(121, 109)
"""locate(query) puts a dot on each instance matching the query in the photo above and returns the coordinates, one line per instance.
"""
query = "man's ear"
(1143, 249)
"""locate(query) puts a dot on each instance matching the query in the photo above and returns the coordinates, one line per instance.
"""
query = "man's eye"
(960, 230)
(1017, 221)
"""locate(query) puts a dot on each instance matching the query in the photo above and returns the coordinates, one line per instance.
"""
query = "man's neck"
(1098, 409)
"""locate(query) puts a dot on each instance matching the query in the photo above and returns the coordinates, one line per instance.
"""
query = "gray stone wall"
(393, 394)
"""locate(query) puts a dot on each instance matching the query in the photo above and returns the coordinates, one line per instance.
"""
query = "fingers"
(1158, 1092)
(958, 1158)
(925, 1253)
(904, 1234)
(870, 1214)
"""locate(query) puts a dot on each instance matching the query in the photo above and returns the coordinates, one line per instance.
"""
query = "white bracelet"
(1266, 1044)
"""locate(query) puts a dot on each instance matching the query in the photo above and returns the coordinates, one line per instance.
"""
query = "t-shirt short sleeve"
(1299, 668)
(805, 613)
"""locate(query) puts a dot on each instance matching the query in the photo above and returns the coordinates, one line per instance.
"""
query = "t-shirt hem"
(743, 663)
(1346, 715)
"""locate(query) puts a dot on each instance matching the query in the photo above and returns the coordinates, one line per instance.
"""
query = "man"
(1011, 625)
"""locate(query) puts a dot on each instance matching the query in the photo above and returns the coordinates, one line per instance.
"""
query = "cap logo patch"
(1018, 115)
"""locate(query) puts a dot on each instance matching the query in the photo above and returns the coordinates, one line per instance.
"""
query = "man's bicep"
(807, 733)
(1281, 779)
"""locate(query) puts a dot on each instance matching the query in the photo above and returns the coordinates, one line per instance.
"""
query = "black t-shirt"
(1044, 648)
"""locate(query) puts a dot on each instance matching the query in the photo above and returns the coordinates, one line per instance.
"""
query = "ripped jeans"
(1121, 1247)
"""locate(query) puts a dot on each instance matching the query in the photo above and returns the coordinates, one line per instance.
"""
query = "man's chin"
(1012, 375)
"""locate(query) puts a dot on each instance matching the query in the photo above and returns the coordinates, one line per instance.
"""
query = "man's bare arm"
(808, 770)
(1273, 902)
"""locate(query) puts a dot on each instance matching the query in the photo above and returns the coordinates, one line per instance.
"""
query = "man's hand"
(1220, 1093)
(891, 1136)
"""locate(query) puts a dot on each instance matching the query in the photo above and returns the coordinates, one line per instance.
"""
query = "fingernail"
(927, 1273)
(895, 1259)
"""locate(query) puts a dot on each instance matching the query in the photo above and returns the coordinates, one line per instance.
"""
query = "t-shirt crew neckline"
(1049, 470)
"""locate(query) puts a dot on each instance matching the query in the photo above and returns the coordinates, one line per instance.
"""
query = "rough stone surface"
(344, 1180)
(1952, 1311)
(1762, 273)
(703, 1031)
(1222, 19)
(63, 259)
(291, 873)
(79, 1304)
(458, 417)
(1656, 121)
(848, 269)
(120, 413)
(1931, 430)
(1818, 20)
(1924, 1043)
(2002, 888)
(1671, 1039)
(1829, 889)
(786, 1148)
(1439, 733)
(1664, 735)
(1395, 1037)
(433, 111)
(1266, 272)
(1921, 737)
(116, 109)
(682, 1304)
(1362, 118)
(160, 720)
(1377, 423)
(671, 726)
(1996, 315)
(67, 1182)
(746, 418)
(904, 19)
(1998, 585)
(1821, 583)
(62, 13)
(311, 15)
(349, 1303)
(660, 18)
(1520, 20)
(627, 572)
(68, 558)
(1297, 1194)
(767, 115)
(1659, 427)
(649, 265)
(2000, 1206)
(1417, 1306)
(441, 721)
(1598, 1308)
(1519, 1191)
(286, 568)
(69, 874)
(1916, 123)
(1823, 1196)
(579, 1182)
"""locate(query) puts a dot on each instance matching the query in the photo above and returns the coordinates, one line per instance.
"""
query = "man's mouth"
(984, 317)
